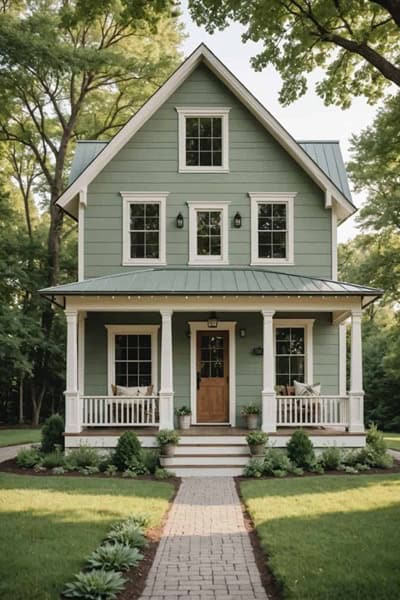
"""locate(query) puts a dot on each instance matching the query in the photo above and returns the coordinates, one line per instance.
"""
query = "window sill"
(271, 262)
(143, 263)
(203, 170)
(208, 263)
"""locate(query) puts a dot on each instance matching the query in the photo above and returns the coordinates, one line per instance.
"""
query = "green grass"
(330, 537)
(10, 437)
(49, 525)
(392, 440)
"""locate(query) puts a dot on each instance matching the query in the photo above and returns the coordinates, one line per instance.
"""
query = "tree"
(70, 69)
(356, 42)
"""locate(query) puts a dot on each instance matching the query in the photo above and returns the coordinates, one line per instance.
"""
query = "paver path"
(205, 551)
(8, 452)
(395, 453)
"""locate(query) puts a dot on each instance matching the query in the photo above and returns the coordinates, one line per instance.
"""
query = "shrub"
(250, 409)
(111, 471)
(54, 459)
(58, 471)
(114, 557)
(137, 466)
(88, 470)
(276, 460)
(257, 437)
(52, 433)
(82, 457)
(105, 460)
(279, 473)
(300, 450)
(161, 473)
(28, 458)
(183, 411)
(128, 448)
(331, 458)
(129, 473)
(167, 436)
(150, 459)
(129, 534)
(95, 585)
(375, 440)
(254, 468)
(141, 520)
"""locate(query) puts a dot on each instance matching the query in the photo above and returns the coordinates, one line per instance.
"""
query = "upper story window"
(208, 233)
(203, 139)
(143, 228)
(272, 228)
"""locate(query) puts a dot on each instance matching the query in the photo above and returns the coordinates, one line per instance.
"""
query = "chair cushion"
(305, 389)
(120, 390)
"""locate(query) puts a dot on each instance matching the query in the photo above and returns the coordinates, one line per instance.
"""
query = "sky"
(307, 118)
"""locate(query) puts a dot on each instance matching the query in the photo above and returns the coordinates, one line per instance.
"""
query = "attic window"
(203, 139)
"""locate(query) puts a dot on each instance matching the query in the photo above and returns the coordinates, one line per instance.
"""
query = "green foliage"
(52, 433)
(53, 459)
(95, 585)
(82, 457)
(355, 44)
(167, 436)
(111, 471)
(128, 473)
(375, 439)
(127, 533)
(137, 466)
(183, 411)
(114, 557)
(150, 458)
(161, 473)
(58, 471)
(127, 452)
(105, 460)
(254, 468)
(331, 458)
(250, 409)
(88, 470)
(141, 520)
(28, 458)
(276, 460)
(300, 450)
(256, 438)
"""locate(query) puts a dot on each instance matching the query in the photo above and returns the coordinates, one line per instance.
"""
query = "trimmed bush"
(114, 557)
(82, 457)
(95, 585)
(375, 440)
(331, 458)
(53, 459)
(300, 450)
(129, 534)
(151, 459)
(28, 458)
(52, 433)
(161, 473)
(127, 451)
(254, 468)
(276, 460)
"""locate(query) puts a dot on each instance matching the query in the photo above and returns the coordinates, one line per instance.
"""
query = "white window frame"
(129, 198)
(257, 198)
(114, 330)
(197, 111)
(307, 325)
(196, 206)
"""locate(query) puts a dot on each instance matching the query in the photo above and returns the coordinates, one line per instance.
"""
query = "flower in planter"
(250, 409)
(167, 436)
(257, 438)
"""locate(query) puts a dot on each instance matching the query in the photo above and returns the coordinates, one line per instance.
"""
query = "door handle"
(198, 380)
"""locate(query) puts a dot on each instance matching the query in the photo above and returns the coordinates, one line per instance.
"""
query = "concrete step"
(204, 459)
(201, 449)
(211, 440)
(208, 471)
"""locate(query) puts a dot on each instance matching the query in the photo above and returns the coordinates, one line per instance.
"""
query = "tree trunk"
(21, 401)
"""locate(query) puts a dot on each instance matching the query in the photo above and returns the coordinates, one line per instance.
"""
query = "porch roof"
(203, 280)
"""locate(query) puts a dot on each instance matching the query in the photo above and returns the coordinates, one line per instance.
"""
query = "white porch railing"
(119, 411)
(312, 410)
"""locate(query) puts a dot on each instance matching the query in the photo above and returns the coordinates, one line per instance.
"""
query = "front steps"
(205, 456)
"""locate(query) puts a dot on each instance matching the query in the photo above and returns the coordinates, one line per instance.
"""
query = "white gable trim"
(202, 53)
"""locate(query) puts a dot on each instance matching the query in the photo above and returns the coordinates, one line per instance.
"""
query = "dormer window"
(203, 139)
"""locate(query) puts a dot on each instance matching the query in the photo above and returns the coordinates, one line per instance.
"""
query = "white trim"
(230, 327)
(308, 339)
(203, 54)
(129, 198)
(287, 198)
(112, 331)
(194, 258)
(334, 245)
(342, 359)
(81, 351)
(81, 233)
(203, 111)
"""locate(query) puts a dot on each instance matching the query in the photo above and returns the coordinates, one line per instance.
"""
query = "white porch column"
(356, 401)
(268, 393)
(166, 388)
(73, 417)
(342, 359)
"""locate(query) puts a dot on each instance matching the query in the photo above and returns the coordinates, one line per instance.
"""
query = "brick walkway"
(205, 551)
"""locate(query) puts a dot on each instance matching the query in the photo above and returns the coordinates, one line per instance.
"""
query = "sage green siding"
(149, 162)
(248, 365)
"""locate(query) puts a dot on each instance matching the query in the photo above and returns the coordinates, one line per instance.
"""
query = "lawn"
(48, 526)
(10, 437)
(330, 537)
(392, 440)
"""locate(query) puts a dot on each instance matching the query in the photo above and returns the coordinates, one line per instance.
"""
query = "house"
(208, 278)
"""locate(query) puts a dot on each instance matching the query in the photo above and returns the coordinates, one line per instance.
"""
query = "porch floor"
(207, 430)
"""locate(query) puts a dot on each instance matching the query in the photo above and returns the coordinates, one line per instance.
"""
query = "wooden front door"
(212, 376)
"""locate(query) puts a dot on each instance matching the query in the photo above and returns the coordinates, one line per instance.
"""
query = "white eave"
(333, 196)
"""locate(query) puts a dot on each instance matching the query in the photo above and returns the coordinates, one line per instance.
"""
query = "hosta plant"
(28, 458)
(95, 585)
(140, 520)
(128, 533)
(114, 557)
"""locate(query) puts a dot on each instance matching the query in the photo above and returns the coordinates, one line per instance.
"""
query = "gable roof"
(326, 153)
(202, 54)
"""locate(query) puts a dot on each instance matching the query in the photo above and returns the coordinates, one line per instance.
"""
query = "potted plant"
(167, 439)
(251, 412)
(184, 415)
(257, 440)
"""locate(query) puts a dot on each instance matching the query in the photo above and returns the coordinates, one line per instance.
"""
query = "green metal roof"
(200, 280)
(326, 154)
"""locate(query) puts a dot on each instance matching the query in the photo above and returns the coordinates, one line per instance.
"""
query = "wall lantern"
(237, 220)
(212, 320)
(179, 221)
(242, 333)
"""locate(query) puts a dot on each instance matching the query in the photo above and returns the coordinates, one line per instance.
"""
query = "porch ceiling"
(203, 280)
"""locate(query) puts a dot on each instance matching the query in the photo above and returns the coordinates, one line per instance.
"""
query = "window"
(132, 355)
(272, 228)
(203, 139)
(144, 227)
(293, 351)
(208, 233)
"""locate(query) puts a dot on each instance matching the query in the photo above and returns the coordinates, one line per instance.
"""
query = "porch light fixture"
(237, 220)
(212, 321)
(179, 220)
